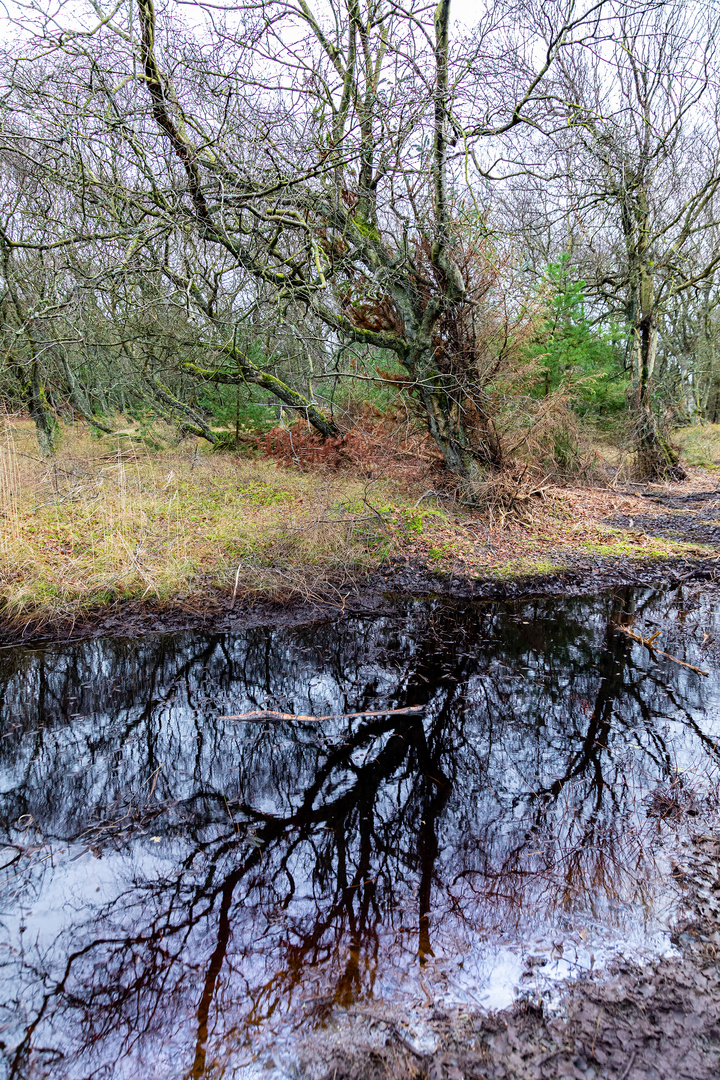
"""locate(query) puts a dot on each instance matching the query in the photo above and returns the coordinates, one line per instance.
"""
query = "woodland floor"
(110, 538)
(572, 540)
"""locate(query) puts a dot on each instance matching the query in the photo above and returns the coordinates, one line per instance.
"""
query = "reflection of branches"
(515, 788)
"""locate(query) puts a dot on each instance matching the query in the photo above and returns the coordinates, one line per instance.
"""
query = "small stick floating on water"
(270, 714)
(649, 643)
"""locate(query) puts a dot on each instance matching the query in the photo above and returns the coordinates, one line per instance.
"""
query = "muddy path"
(693, 517)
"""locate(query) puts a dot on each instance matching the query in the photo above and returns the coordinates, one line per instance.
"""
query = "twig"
(235, 589)
(649, 644)
(399, 1037)
(597, 1029)
(630, 1064)
(154, 780)
(392, 1027)
(270, 714)
(377, 514)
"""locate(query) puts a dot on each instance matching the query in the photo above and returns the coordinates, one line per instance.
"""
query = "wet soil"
(694, 517)
(655, 1022)
(373, 594)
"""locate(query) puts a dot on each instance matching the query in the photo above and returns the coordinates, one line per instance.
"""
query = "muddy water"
(185, 895)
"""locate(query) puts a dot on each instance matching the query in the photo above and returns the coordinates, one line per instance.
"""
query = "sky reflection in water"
(182, 891)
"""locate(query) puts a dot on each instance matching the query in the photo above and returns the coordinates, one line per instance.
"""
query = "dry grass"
(107, 519)
(110, 519)
(700, 445)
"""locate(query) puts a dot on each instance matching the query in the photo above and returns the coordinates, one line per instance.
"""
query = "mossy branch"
(247, 372)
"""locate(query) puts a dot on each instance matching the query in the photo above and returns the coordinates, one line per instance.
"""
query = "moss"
(523, 568)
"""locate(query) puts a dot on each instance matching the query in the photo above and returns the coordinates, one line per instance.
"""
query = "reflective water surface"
(183, 895)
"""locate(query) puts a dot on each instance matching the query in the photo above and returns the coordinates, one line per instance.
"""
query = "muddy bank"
(652, 1022)
(635, 1025)
(371, 594)
(468, 561)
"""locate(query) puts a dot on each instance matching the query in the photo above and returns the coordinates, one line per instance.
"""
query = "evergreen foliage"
(574, 353)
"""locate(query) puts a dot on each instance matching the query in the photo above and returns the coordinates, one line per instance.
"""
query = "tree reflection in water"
(181, 887)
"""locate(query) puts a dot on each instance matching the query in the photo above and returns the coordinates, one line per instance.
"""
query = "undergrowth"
(700, 445)
(113, 518)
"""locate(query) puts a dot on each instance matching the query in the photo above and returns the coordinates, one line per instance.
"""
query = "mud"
(373, 594)
(655, 1022)
(694, 517)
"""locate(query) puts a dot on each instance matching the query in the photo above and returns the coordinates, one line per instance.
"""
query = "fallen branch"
(270, 714)
(649, 643)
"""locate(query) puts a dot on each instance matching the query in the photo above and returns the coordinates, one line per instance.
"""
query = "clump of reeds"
(9, 488)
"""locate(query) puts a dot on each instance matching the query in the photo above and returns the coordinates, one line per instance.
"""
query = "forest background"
(291, 289)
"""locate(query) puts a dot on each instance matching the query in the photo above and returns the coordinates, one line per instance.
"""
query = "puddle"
(185, 895)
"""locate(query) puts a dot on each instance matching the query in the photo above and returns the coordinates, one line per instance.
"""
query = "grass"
(700, 445)
(110, 519)
(106, 519)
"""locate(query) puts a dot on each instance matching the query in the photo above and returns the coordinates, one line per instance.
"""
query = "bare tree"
(316, 167)
(634, 177)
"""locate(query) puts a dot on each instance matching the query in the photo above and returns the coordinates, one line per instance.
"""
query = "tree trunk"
(46, 424)
(656, 457)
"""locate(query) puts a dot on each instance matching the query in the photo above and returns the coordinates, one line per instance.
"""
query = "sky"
(463, 11)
